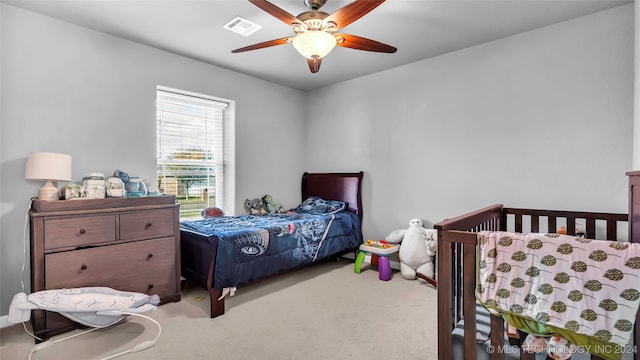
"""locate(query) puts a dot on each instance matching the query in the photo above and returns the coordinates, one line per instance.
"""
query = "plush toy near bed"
(272, 206)
(417, 249)
(255, 207)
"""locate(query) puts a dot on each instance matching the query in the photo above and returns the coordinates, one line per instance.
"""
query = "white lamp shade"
(48, 166)
(314, 43)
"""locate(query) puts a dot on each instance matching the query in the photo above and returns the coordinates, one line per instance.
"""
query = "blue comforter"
(255, 246)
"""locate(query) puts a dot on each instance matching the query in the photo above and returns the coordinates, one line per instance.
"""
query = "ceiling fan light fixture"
(314, 43)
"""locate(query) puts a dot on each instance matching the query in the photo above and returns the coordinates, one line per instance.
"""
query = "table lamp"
(48, 167)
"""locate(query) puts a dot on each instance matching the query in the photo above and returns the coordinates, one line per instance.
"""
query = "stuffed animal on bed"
(417, 248)
(271, 206)
(255, 207)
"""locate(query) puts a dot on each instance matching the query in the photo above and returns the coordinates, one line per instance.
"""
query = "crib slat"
(525, 355)
(469, 296)
(612, 229)
(551, 224)
(497, 328)
(535, 223)
(457, 270)
(571, 225)
(518, 222)
(446, 296)
(590, 231)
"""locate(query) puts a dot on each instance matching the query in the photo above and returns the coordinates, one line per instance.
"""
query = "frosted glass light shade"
(48, 167)
(314, 43)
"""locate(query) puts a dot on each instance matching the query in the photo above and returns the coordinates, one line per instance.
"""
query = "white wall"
(541, 119)
(76, 91)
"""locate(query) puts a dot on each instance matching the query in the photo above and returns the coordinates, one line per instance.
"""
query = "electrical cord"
(139, 347)
(48, 343)
(143, 345)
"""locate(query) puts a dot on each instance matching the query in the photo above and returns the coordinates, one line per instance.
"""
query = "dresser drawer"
(147, 224)
(79, 231)
(144, 266)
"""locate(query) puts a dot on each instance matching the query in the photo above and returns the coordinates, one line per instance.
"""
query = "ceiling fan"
(315, 30)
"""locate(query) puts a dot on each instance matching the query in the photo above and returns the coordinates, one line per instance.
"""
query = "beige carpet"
(321, 312)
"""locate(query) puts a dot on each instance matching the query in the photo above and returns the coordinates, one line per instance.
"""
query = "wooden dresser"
(129, 244)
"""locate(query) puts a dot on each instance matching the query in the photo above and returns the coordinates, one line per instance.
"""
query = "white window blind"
(190, 143)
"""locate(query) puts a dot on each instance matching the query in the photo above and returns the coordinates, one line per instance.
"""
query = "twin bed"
(465, 274)
(221, 254)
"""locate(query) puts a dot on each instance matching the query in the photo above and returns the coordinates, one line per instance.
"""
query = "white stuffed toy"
(417, 248)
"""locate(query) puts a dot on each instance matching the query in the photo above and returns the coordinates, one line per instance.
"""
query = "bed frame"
(330, 186)
(456, 263)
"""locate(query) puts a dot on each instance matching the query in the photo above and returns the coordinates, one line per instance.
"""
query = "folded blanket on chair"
(548, 284)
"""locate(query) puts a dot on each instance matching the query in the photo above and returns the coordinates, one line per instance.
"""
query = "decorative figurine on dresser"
(128, 244)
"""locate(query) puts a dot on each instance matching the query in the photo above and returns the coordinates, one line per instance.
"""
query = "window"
(191, 144)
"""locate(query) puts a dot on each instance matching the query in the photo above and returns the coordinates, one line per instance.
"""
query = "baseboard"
(4, 322)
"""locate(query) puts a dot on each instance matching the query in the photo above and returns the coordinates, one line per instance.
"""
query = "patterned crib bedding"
(250, 247)
(548, 284)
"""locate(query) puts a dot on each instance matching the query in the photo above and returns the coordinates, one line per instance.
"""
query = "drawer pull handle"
(149, 256)
(83, 267)
(82, 231)
(147, 225)
(150, 286)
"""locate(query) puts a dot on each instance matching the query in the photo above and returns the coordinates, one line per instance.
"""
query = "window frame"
(221, 164)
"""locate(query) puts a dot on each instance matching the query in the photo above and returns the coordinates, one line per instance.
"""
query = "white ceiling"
(420, 29)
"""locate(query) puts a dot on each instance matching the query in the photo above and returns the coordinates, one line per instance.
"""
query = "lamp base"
(48, 192)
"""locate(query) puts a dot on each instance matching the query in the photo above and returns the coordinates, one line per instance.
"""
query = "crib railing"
(592, 225)
(456, 262)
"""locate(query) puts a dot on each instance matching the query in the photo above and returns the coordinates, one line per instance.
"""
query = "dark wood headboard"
(335, 186)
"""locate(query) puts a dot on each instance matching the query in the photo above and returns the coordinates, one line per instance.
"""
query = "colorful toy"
(417, 250)
(381, 244)
(379, 250)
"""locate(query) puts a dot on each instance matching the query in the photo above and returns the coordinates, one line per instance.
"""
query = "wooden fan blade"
(360, 43)
(314, 64)
(265, 44)
(352, 12)
(275, 11)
